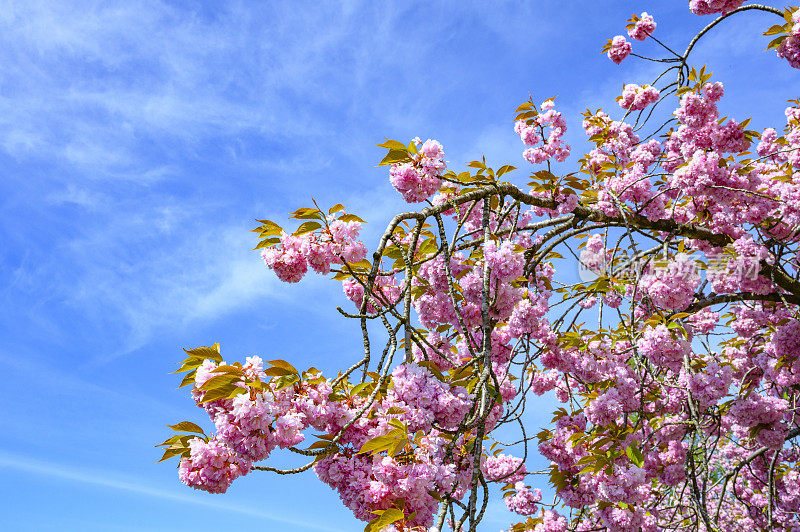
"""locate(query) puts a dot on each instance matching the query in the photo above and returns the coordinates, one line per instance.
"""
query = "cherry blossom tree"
(676, 357)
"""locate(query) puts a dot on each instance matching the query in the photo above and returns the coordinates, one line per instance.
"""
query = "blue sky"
(139, 140)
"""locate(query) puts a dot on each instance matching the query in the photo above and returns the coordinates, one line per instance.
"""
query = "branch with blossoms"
(678, 404)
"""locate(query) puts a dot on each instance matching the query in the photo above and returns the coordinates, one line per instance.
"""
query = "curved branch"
(742, 296)
(758, 7)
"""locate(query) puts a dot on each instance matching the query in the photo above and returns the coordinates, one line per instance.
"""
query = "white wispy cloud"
(193, 275)
(91, 80)
(131, 93)
(114, 480)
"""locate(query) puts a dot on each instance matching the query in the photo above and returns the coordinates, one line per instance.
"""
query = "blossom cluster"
(448, 296)
(710, 7)
(642, 27)
(637, 97)
(620, 49)
(686, 361)
(266, 416)
(533, 132)
(789, 48)
(419, 179)
(337, 243)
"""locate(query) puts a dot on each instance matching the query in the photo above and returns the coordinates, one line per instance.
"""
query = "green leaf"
(220, 393)
(774, 30)
(382, 443)
(365, 388)
(188, 379)
(205, 352)
(378, 444)
(311, 370)
(505, 169)
(351, 218)
(396, 423)
(384, 519)
(305, 212)
(307, 227)
(363, 264)
(545, 175)
(285, 365)
(600, 285)
(321, 444)
(336, 396)
(178, 438)
(277, 372)
(433, 368)
(336, 208)
(228, 368)
(392, 145)
(170, 452)
(189, 364)
(395, 156)
(399, 445)
(268, 230)
(526, 115)
(285, 381)
(268, 222)
(187, 426)
(219, 380)
(776, 42)
(635, 455)
(267, 243)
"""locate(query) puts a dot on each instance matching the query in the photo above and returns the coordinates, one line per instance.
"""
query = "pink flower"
(620, 49)
(663, 347)
(644, 27)
(245, 428)
(432, 150)
(528, 134)
(419, 179)
(714, 91)
(524, 500)
(211, 466)
(505, 263)
(709, 7)
(595, 243)
(504, 468)
(637, 97)
(671, 286)
(553, 146)
(384, 290)
(789, 49)
(289, 259)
